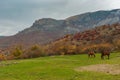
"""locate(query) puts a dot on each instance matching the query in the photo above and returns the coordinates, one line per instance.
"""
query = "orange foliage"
(2, 57)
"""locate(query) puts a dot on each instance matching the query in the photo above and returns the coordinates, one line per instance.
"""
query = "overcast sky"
(16, 15)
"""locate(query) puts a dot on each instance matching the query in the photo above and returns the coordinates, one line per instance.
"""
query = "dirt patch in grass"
(105, 68)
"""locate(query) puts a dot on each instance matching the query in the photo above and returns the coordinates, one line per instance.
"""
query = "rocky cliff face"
(93, 19)
(46, 30)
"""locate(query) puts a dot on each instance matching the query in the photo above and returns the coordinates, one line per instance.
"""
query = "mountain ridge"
(78, 21)
(46, 30)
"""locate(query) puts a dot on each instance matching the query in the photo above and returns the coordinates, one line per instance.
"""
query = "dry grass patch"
(105, 68)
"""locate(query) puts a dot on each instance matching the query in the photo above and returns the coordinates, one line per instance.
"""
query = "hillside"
(102, 34)
(46, 30)
(105, 35)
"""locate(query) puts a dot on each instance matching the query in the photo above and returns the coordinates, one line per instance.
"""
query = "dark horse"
(105, 53)
(91, 53)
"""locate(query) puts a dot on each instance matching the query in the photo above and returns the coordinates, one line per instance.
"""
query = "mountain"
(46, 30)
(76, 23)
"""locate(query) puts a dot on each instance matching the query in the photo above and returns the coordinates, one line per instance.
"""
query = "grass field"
(56, 68)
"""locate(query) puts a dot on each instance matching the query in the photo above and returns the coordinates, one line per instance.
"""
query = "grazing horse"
(105, 53)
(91, 53)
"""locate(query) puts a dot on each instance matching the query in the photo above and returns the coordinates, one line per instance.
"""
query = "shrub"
(16, 52)
(2, 57)
(97, 47)
(34, 51)
(117, 45)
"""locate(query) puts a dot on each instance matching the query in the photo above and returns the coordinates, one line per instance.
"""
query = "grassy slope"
(56, 68)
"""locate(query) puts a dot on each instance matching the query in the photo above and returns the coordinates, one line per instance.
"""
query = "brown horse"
(91, 53)
(105, 53)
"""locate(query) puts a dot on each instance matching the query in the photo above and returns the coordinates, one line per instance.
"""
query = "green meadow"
(57, 68)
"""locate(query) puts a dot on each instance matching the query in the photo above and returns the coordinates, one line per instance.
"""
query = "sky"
(16, 15)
